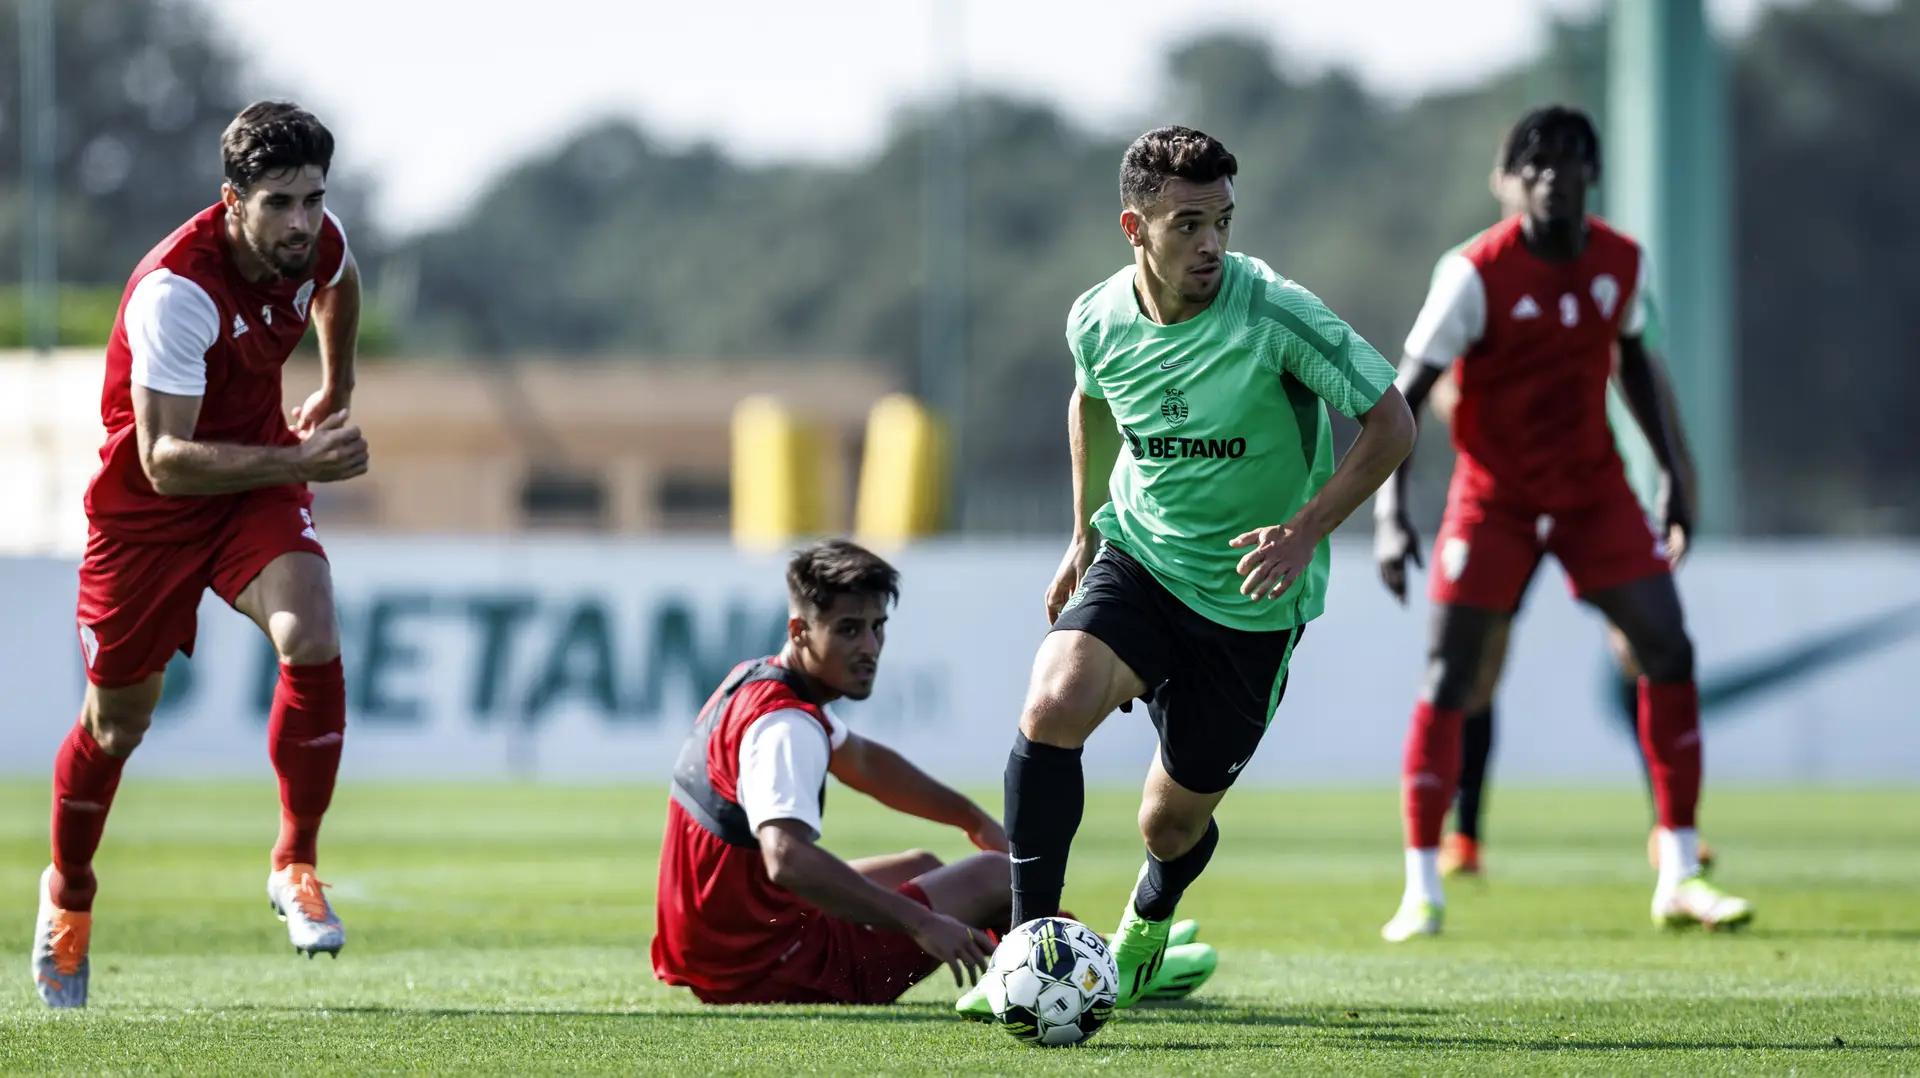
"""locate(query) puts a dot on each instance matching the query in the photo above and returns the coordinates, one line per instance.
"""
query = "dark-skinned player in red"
(1533, 311)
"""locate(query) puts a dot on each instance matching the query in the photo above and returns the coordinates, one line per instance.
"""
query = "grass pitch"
(505, 928)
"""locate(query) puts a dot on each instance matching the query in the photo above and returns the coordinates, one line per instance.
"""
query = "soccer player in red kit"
(750, 908)
(1533, 310)
(202, 484)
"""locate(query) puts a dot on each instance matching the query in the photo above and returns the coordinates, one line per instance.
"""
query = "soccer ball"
(1052, 982)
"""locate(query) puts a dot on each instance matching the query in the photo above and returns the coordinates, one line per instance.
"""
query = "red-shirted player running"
(202, 485)
(749, 909)
(1533, 309)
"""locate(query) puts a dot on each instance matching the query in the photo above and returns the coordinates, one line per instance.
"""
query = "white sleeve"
(783, 762)
(345, 251)
(1636, 320)
(171, 322)
(1455, 315)
(836, 730)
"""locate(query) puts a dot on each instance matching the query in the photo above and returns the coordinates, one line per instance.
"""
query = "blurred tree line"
(616, 244)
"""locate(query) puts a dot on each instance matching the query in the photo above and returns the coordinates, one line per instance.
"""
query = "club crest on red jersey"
(1606, 294)
(301, 298)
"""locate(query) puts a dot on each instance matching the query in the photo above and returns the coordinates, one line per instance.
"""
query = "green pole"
(1667, 185)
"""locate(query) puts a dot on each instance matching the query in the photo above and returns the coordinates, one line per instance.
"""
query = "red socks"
(1670, 736)
(84, 779)
(1429, 772)
(304, 735)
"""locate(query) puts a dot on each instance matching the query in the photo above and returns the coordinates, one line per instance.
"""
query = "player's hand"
(1073, 567)
(1670, 504)
(961, 949)
(333, 450)
(324, 402)
(1393, 543)
(1280, 554)
(1677, 542)
(986, 833)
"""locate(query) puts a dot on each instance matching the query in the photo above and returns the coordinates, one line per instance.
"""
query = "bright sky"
(435, 97)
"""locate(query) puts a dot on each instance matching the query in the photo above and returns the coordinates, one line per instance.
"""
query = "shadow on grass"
(1181, 1013)
(1368, 1039)
(1899, 935)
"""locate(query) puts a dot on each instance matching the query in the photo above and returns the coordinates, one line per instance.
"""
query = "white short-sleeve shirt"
(784, 756)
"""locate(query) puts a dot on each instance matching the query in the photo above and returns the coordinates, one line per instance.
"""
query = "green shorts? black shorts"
(1211, 690)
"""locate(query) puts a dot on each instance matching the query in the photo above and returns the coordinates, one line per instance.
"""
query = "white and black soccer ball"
(1052, 982)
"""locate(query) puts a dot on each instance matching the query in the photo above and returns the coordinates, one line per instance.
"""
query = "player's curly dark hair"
(1548, 126)
(821, 573)
(1168, 153)
(273, 136)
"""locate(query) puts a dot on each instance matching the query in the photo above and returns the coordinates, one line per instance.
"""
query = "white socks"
(1679, 855)
(1423, 876)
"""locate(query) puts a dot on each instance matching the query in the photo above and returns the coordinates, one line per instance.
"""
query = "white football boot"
(60, 940)
(1416, 917)
(1695, 901)
(311, 924)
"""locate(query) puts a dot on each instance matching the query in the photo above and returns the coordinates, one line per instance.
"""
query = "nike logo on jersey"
(1169, 364)
(1525, 309)
(1235, 769)
(239, 326)
(1024, 860)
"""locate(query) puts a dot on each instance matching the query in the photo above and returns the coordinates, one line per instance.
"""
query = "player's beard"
(284, 263)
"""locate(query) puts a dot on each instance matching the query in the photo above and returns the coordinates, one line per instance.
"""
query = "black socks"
(1476, 736)
(1159, 891)
(1046, 794)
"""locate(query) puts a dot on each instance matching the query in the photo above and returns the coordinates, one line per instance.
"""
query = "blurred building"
(620, 447)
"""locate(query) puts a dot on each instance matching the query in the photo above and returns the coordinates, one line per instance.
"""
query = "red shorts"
(139, 601)
(838, 961)
(1486, 551)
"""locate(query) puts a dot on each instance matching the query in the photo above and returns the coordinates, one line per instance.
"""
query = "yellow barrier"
(783, 476)
(903, 474)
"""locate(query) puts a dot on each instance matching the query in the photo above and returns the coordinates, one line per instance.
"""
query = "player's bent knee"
(1669, 662)
(1449, 685)
(304, 640)
(118, 718)
(1063, 716)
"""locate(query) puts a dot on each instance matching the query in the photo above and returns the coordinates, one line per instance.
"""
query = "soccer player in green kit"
(1202, 383)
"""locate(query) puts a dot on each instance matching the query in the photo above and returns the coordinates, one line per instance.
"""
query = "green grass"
(505, 928)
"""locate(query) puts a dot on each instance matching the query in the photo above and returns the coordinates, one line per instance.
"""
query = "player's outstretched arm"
(1282, 552)
(1394, 541)
(795, 863)
(891, 779)
(176, 464)
(1094, 443)
(336, 324)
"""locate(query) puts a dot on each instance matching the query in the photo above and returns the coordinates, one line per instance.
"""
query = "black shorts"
(1211, 690)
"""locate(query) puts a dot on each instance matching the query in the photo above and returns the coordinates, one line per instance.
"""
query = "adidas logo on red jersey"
(1525, 309)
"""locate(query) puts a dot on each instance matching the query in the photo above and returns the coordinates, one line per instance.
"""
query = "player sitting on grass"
(1460, 851)
(1178, 586)
(750, 908)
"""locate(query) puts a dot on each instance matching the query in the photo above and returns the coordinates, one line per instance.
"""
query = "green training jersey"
(1636, 453)
(1223, 426)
